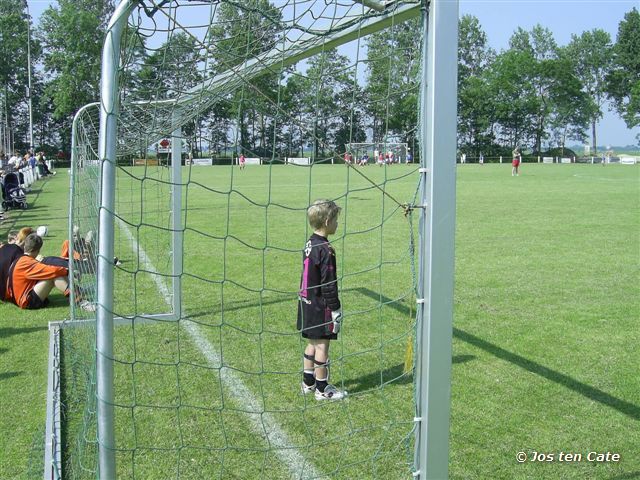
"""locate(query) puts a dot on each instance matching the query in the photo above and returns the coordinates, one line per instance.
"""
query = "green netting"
(214, 392)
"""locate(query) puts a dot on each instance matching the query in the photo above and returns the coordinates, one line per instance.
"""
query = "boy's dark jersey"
(318, 289)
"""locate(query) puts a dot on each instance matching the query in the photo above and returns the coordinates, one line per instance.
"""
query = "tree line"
(535, 93)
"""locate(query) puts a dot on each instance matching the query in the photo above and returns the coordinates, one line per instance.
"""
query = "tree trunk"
(593, 136)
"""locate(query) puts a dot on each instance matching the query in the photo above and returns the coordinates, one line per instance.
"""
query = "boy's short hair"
(320, 211)
(33, 243)
(11, 237)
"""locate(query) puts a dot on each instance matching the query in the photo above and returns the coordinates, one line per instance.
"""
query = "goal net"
(191, 366)
(378, 152)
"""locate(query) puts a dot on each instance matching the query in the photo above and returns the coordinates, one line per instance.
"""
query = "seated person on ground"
(9, 253)
(31, 281)
(23, 234)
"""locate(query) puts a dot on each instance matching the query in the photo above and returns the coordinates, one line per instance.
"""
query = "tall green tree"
(330, 99)
(72, 33)
(475, 104)
(13, 69)
(514, 97)
(533, 83)
(293, 103)
(244, 29)
(393, 79)
(623, 81)
(591, 55)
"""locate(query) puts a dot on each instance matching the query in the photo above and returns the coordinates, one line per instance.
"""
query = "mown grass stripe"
(262, 423)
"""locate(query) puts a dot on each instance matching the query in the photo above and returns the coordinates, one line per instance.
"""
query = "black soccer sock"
(308, 378)
(321, 384)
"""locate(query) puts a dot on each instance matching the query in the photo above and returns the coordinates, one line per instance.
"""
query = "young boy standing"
(319, 309)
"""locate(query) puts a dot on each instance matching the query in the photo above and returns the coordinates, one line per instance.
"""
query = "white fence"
(202, 162)
(629, 160)
(298, 161)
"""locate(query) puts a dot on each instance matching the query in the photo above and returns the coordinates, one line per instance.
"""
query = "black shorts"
(56, 262)
(35, 302)
(314, 322)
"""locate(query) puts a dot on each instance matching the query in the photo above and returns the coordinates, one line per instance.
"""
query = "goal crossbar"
(192, 101)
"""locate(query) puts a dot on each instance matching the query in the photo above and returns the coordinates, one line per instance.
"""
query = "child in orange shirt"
(30, 281)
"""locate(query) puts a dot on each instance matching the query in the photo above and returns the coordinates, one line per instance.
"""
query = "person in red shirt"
(31, 281)
(515, 163)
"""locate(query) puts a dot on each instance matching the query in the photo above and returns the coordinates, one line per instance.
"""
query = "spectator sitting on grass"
(45, 168)
(22, 235)
(9, 253)
(31, 282)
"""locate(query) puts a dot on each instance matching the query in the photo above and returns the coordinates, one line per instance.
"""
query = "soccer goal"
(378, 152)
(191, 366)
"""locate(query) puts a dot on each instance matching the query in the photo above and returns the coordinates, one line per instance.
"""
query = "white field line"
(262, 423)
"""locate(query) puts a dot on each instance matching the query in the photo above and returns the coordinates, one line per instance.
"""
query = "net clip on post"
(410, 207)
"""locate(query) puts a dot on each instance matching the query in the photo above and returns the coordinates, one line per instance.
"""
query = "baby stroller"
(13, 195)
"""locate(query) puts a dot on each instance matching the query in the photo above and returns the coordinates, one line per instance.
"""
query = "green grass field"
(545, 328)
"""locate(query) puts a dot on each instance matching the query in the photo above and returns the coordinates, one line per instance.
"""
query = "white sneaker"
(308, 388)
(87, 306)
(331, 393)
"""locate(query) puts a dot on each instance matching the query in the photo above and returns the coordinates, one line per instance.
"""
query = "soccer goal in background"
(383, 152)
(191, 365)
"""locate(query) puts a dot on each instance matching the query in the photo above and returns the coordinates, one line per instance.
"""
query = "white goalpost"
(194, 352)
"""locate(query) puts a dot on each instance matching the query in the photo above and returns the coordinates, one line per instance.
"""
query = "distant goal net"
(378, 153)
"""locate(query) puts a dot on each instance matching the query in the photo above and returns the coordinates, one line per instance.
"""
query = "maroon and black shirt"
(318, 289)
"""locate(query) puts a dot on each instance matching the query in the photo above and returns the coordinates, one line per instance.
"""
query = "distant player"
(515, 163)
(241, 161)
(319, 309)
(347, 158)
(364, 160)
(481, 159)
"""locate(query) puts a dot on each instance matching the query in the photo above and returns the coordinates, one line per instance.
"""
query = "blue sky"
(500, 18)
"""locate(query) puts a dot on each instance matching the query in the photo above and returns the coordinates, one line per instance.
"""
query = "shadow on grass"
(388, 375)
(8, 375)
(9, 331)
(15, 222)
(588, 391)
(393, 375)
(626, 476)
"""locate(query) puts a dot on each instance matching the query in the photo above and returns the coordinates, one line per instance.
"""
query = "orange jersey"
(65, 251)
(26, 274)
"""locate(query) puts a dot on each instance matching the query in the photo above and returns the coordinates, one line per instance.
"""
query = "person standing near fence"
(515, 163)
